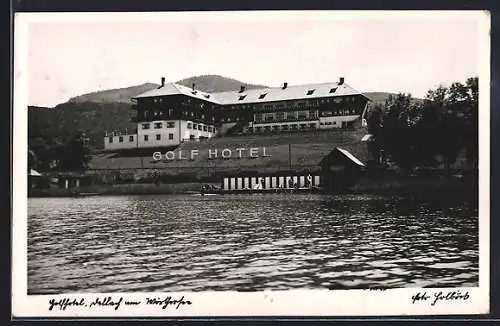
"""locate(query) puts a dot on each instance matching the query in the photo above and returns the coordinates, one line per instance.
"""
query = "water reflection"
(248, 243)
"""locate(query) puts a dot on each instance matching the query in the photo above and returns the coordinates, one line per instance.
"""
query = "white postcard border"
(267, 303)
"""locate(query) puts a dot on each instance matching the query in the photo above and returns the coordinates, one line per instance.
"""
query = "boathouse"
(340, 169)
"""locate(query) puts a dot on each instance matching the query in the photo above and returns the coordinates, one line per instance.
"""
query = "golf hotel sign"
(213, 153)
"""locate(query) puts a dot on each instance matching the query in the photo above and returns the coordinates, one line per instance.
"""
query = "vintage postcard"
(204, 164)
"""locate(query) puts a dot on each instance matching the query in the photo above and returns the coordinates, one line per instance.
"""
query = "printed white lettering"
(226, 153)
(194, 152)
(239, 150)
(210, 153)
(169, 155)
(254, 151)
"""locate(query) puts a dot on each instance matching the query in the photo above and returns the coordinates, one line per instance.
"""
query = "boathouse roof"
(341, 156)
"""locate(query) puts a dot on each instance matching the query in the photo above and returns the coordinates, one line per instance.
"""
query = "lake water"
(248, 243)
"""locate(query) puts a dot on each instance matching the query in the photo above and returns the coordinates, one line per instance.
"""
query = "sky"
(72, 55)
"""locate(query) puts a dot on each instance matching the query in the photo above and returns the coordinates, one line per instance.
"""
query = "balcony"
(302, 118)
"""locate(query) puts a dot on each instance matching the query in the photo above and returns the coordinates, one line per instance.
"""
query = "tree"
(75, 155)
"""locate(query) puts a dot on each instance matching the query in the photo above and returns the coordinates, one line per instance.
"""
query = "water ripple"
(248, 243)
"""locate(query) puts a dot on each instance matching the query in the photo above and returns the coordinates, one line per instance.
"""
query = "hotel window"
(242, 97)
(170, 124)
(301, 104)
(303, 126)
(312, 125)
(157, 125)
(203, 117)
(130, 138)
(120, 139)
(310, 92)
(210, 129)
(258, 117)
(303, 114)
(261, 96)
(280, 116)
(155, 113)
(205, 128)
(185, 113)
(284, 127)
(292, 115)
(195, 126)
(190, 125)
(110, 139)
(191, 113)
(258, 129)
(267, 128)
(269, 116)
(146, 137)
(294, 127)
(158, 137)
(145, 126)
(332, 90)
(335, 122)
(170, 136)
(199, 127)
(276, 128)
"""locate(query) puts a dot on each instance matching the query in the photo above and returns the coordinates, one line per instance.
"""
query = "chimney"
(242, 88)
(341, 80)
(285, 85)
(193, 86)
(162, 82)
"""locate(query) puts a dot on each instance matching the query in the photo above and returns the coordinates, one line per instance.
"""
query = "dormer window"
(333, 90)
(242, 97)
(261, 96)
(310, 92)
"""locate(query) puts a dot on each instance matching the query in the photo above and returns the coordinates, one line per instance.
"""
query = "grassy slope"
(307, 150)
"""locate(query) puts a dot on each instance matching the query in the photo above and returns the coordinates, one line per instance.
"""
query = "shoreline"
(407, 186)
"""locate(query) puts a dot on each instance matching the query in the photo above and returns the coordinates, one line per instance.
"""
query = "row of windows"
(286, 127)
(146, 138)
(280, 116)
(196, 126)
(338, 112)
(158, 125)
(120, 139)
(313, 102)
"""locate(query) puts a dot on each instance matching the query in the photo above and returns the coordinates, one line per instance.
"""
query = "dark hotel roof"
(269, 94)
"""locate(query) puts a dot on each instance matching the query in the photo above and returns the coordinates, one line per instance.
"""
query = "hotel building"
(172, 113)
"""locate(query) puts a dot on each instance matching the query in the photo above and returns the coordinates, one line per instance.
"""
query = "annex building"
(173, 114)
